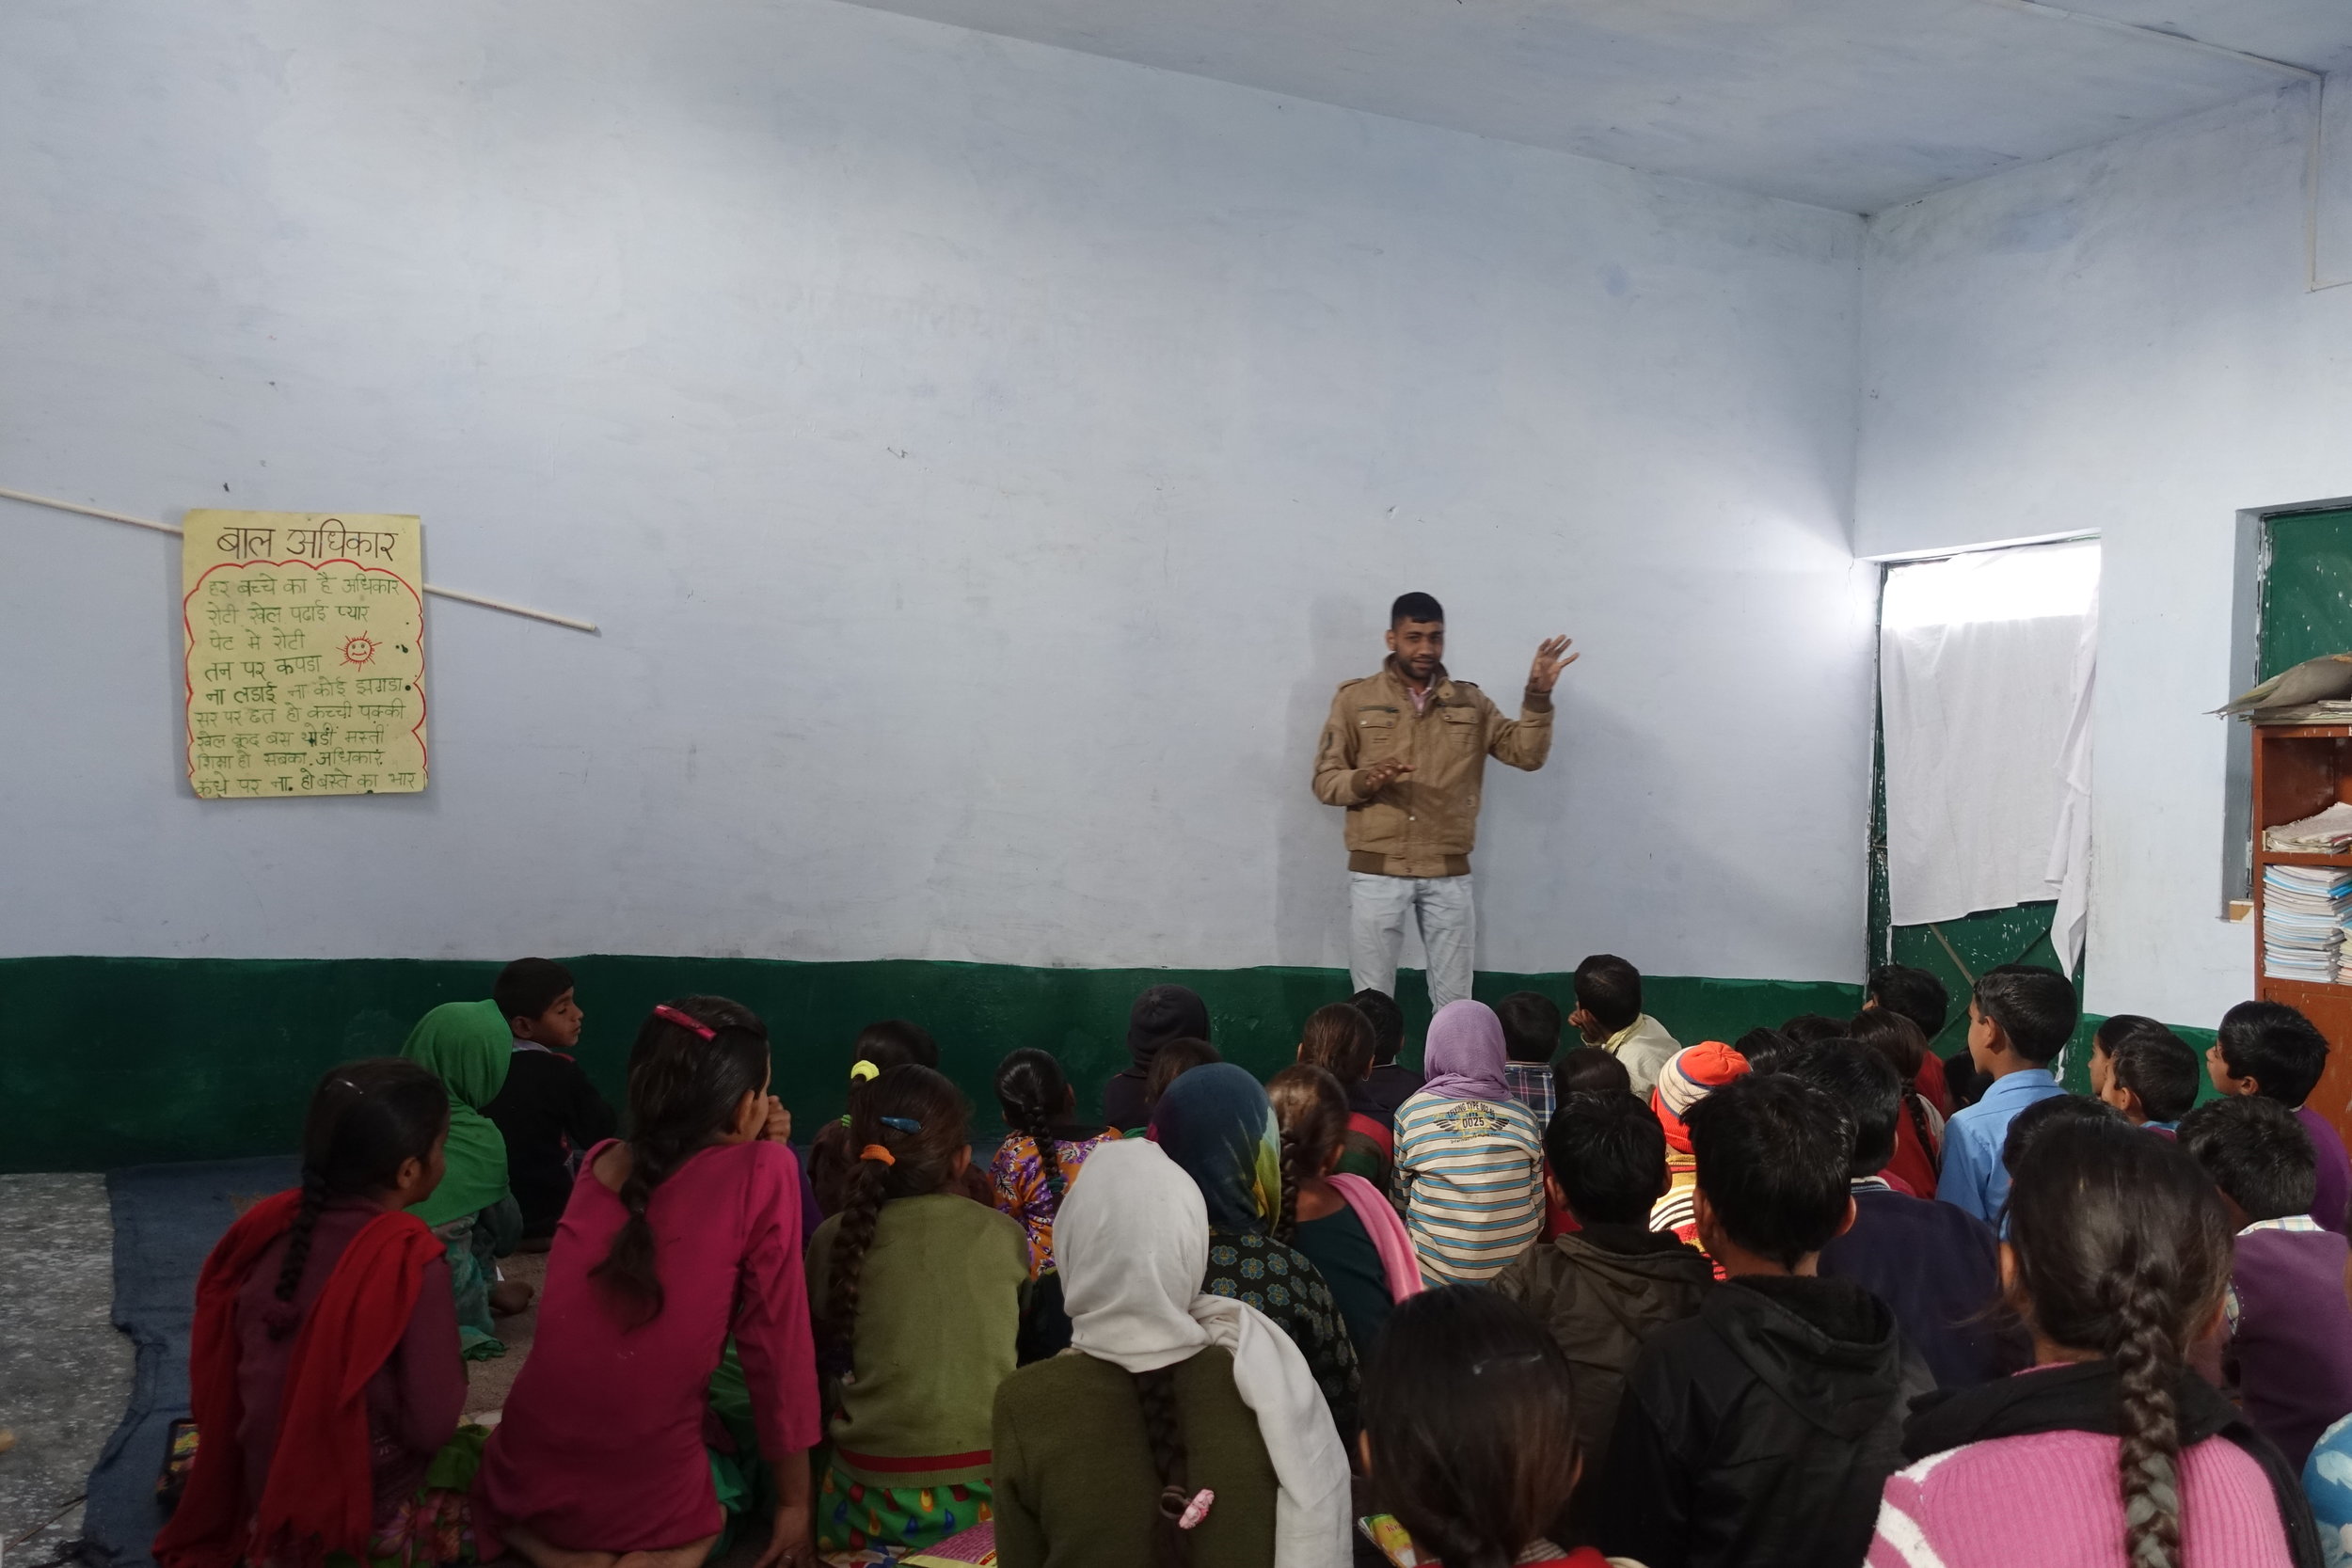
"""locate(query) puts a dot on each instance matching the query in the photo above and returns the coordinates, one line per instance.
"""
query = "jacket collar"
(1441, 684)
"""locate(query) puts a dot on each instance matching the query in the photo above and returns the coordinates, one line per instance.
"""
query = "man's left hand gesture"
(1551, 657)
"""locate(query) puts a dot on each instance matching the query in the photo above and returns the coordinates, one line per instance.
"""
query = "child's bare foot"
(508, 1297)
(544, 1554)
(688, 1555)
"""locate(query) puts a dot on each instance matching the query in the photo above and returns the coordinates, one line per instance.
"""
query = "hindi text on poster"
(305, 653)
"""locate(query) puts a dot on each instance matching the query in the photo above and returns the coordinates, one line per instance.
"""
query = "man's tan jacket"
(1425, 823)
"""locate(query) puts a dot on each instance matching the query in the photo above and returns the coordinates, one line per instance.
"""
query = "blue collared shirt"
(1974, 1177)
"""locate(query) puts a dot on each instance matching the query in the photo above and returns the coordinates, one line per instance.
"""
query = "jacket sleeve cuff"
(1535, 702)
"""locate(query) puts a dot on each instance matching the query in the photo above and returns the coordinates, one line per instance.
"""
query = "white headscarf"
(1132, 1242)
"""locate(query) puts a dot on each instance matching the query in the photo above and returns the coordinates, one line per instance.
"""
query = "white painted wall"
(2121, 339)
(983, 459)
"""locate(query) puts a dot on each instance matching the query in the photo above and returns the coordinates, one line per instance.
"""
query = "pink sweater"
(2050, 1499)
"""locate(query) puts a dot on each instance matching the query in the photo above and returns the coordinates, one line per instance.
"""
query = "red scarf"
(319, 1496)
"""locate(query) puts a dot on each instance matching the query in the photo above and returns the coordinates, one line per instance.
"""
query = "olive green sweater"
(1075, 1483)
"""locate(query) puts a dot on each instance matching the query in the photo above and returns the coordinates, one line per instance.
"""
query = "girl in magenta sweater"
(2108, 1449)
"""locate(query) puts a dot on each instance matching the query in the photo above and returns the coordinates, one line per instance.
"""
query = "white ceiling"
(1857, 104)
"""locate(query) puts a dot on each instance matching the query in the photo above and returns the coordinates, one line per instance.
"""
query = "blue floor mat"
(165, 1219)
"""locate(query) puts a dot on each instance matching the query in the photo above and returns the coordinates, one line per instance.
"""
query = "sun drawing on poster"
(359, 651)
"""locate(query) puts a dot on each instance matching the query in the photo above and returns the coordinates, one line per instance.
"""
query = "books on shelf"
(2327, 833)
(2334, 712)
(2305, 912)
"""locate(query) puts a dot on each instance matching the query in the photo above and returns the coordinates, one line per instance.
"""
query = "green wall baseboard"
(122, 1061)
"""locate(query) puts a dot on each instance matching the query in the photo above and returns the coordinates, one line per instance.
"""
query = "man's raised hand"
(1551, 657)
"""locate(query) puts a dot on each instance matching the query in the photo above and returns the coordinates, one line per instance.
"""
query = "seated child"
(1469, 1159)
(1338, 1039)
(1342, 1223)
(1760, 1430)
(1604, 1290)
(1808, 1029)
(2289, 1310)
(1169, 1063)
(1939, 1269)
(1588, 1070)
(547, 1111)
(1390, 1083)
(684, 1235)
(1690, 1077)
(1161, 1014)
(1765, 1049)
(891, 1042)
(1609, 1014)
(1037, 1105)
(2112, 1449)
(2267, 1048)
(1217, 1125)
(1919, 1130)
(1470, 1433)
(1531, 1038)
(918, 1294)
(2144, 1070)
(1167, 1396)
(1917, 994)
(2019, 1019)
(329, 1286)
(467, 1046)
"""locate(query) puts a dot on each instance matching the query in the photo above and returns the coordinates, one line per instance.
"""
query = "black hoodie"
(1760, 1432)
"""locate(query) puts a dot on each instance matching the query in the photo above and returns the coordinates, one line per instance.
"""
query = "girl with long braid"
(916, 1291)
(1042, 1154)
(676, 1240)
(2112, 1449)
(324, 1373)
(1184, 1430)
(1342, 1223)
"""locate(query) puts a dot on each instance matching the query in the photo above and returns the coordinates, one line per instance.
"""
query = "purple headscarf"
(1464, 1055)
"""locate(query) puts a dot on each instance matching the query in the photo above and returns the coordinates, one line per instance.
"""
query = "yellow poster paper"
(305, 653)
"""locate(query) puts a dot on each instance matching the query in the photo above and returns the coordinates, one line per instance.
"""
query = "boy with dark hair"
(2019, 1019)
(1531, 1038)
(1391, 1085)
(1589, 1069)
(547, 1111)
(2267, 1048)
(2144, 1070)
(1605, 1288)
(1761, 1430)
(1909, 991)
(1609, 1014)
(1938, 1267)
(2289, 1310)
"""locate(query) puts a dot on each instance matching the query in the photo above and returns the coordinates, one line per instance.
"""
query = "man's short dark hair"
(1607, 1152)
(1388, 1023)
(1530, 1026)
(1913, 993)
(1415, 607)
(2256, 1153)
(1866, 1085)
(2045, 1114)
(1610, 988)
(2153, 1062)
(2279, 1049)
(528, 987)
(1589, 1069)
(1772, 1151)
(2035, 1007)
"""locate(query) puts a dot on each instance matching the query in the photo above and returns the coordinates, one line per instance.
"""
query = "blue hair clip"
(901, 1124)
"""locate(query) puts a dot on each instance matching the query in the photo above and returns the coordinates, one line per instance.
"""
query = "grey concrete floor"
(65, 1371)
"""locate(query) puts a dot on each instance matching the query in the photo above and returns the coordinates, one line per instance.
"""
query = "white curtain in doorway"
(1986, 662)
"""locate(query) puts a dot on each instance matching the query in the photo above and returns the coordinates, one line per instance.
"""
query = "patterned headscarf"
(1216, 1122)
(1689, 1077)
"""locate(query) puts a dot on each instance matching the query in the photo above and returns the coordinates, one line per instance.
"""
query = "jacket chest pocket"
(1376, 731)
(1457, 728)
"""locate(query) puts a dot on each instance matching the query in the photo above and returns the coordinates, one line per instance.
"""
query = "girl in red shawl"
(323, 1373)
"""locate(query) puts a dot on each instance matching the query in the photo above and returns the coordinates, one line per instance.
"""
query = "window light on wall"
(2028, 583)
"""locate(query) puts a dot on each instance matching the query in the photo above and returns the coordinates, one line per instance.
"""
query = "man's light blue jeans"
(1442, 911)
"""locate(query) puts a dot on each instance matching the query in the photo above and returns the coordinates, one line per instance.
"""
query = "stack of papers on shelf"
(2305, 908)
(2337, 711)
(2329, 834)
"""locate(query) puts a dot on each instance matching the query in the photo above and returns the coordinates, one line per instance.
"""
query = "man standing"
(1405, 752)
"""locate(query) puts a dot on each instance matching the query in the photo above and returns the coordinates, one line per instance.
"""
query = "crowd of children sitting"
(1815, 1297)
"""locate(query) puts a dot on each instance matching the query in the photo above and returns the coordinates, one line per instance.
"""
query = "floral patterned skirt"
(433, 1524)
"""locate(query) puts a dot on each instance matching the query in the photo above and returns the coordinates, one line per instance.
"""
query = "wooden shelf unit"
(2301, 769)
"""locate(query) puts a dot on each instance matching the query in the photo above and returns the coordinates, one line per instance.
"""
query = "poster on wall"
(305, 653)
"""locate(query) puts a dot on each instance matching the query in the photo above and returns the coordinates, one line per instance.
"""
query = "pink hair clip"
(685, 1021)
(1197, 1510)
